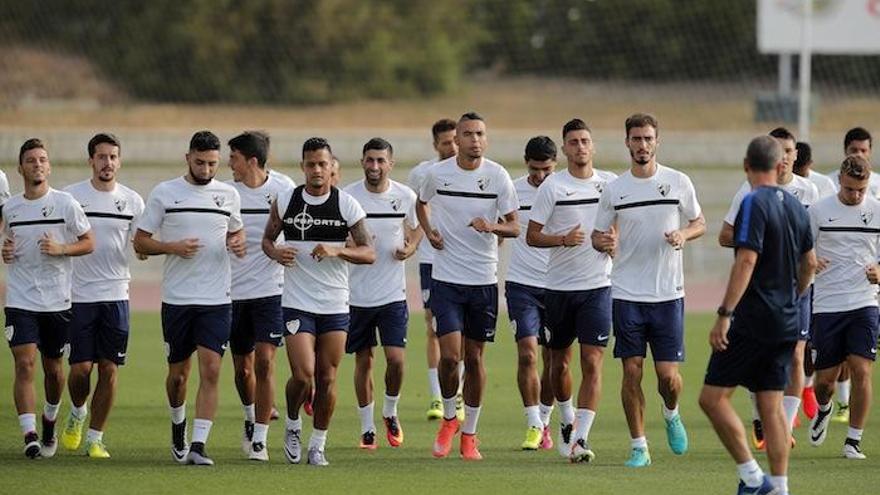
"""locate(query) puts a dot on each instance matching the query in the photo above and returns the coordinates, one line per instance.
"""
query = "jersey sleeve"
(507, 200)
(689, 206)
(730, 217)
(605, 213)
(235, 224)
(542, 209)
(814, 222)
(807, 237)
(282, 200)
(749, 225)
(4, 189)
(415, 178)
(153, 214)
(352, 211)
(75, 218)
(411, 220)
(428, 187)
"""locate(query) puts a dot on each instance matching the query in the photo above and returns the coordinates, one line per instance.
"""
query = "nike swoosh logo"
(602, 338)
(624, 196)
(569, 193)
(177, 455)
(275, 335)
(816, 437)
(833, 219)
(120, 354)
(178, 201)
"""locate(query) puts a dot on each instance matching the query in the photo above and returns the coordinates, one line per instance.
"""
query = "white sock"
(93, 436)
(583, 422)
(201, 429)
(750, 473)
(825, 407)
(566, 411)
(639, 443)
(178, 414)
(389, 407)
(80, 412)
(27, 422)
(366, 415)
(545, 412)
(754, 399)
(448, 408)
(668, 414)
(50, 411)
(318, 439)
(780, 482)
(294, 424)
(460, 376)
(249, 413)
(261, 431)
(434, 383)
(471, 416)
(808, 380)
(791, 404)
(854, 433)
(533, 417)
(843, 392)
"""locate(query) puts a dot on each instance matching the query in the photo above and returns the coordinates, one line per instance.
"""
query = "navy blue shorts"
(302, 321)
(584, 315)
(390, 320)
(186, 327)
(758, 366)
(425, 270)
(525, 307)
(255, 320)
(805, 314)
(638, 325)
(98, 331)
(470, 309)
(837, 335)
(49, 330)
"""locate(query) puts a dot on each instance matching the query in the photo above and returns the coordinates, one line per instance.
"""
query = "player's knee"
(395, 365)
(708, 402)
(527, 359)
(325, 379)
(667, 382)
(473, 361)
(449, 362)
(107, 372)
(176, 380)
(242, 374)
(262, 367)
(24, 367)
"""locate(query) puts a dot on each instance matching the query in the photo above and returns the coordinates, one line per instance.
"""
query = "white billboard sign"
(840, 27)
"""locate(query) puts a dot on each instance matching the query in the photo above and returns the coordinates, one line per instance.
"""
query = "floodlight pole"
(805, 71)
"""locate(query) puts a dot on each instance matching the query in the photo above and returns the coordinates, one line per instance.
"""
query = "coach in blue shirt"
(757, 325)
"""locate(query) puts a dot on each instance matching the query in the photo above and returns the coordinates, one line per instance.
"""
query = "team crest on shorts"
(292, 326)
(219, 199)
(120, 205)
(483, 183)
(663, 189)
(513, 327)
(10, 331)
(867, 216)
(47, 210)
(395, 203)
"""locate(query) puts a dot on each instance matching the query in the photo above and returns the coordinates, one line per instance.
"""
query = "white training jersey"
(416, 179)
(256, 275)
(281, 177)
(319, 287)
(177, 210)
(384, 281)
(104, 275)
(646, 267)
(563, 202)
(873, 182)
(802, 189)
(848, 237)
(36, 281)
(527, 265)
(824, 185)
(458, 196)
(4, 189)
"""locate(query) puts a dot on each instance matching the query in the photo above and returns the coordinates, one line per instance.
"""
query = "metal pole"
(805, 71)
(785, 74)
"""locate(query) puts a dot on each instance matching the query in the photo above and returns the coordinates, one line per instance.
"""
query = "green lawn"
(138, 438)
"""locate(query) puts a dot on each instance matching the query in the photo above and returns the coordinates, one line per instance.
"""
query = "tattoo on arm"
(360, 235)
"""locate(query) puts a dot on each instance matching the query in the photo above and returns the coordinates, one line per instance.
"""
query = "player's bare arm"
(508, 228)
(725, 237)
(694, 229)
(146, 245)
(806, 270)
(740, 275)
(361, 254)
(423, 211)
(235, 242)
(285, 255)
(536, 238)
(84, 244)
(411, 239)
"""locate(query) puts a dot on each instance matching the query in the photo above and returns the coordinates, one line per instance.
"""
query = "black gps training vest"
(318, 223)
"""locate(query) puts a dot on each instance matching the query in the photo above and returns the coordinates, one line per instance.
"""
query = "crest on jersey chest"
(219, 200)
(663, 189)
(483, 183)
(269, 198)
(47, 210)
(867, 216)
(120, 205)
(600, 186)
(395, 203)
(797, 193)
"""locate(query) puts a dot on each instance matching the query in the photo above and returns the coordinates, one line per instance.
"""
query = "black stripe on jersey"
(571, 202)
(101, 214)
(866, 230)
(198, 210)
(45, 221)
(466, 194)
(255, 211)
(525, 207)
(651, 202)
(386, 215)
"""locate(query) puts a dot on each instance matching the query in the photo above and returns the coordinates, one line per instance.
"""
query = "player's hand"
(9, 248)
(322, 251)
(718, 334)
(607, 242)
(435, 239)
(284, 255)
(237, 245)
(822, 264)
(49, 247)
(873, 273)
(186, 248)
(574, 237)
(675, 239)
(481, 225)
(402, 253)
(141, 256)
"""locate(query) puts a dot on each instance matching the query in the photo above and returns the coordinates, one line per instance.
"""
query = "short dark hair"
(30, 144)
(804, 155)
(252, 144)
(575, 125)
(204, 141)
(102, 138)
(441, 126)
(857, 134)
(763, 153)
(641, 120)
(379, 144)
(782, 133)
(315, 144)
(540, 149)
(855, 167)
(471, 116)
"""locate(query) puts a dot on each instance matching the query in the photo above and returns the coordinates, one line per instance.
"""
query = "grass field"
(138, 438)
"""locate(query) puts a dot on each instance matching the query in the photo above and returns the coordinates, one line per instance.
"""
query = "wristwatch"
(724, 312)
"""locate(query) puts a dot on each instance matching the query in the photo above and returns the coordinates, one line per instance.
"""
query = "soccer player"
(803, 166)
(846, 228)
(774, 263)
(100, 316)
(257, 282)
(378, 291)
(524, 291)
(196, 219)
(459, 203)
(443, 132)
(578, 295)
(807, 193)
(648, 204)
(44, 228)
(316, 219)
